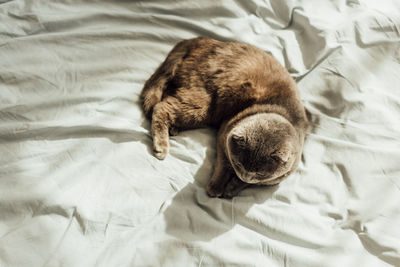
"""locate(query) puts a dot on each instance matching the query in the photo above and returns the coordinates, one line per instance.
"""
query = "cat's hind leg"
(160, 125)
(173, 113)
(163, 120)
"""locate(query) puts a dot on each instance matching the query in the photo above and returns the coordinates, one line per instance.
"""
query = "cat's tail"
(155, 86)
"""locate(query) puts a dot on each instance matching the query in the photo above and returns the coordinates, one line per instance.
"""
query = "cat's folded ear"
(238, 139)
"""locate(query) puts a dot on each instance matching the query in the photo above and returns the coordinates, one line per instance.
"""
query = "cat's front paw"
(230, 191)
(234, 187)
(214, 190)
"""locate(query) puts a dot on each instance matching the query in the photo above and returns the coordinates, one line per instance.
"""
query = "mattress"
(79, 185)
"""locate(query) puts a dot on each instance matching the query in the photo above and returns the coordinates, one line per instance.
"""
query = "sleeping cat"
(239, 89)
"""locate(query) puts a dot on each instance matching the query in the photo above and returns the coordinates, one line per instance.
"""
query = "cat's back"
(241, 75)
(207, 58)
(235, 76)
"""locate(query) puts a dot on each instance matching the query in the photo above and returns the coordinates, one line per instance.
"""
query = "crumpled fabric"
(79, 185)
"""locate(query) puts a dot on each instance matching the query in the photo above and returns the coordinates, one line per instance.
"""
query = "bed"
(79, 185)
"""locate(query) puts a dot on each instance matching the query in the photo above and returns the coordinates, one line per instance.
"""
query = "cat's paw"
(214, 190)
(230, 191)
(160, 154)
(160, 149)
(234, 187)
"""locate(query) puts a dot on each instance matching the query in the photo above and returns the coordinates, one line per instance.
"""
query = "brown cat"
(243, 91)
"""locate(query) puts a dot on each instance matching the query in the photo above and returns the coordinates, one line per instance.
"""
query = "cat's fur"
(239, 89)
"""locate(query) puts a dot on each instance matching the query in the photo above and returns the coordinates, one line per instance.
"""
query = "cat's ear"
(238, 139)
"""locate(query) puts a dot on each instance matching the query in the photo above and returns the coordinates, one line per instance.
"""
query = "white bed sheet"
(80, 187)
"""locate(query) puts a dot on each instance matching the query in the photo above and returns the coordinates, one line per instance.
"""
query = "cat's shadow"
(193, 216)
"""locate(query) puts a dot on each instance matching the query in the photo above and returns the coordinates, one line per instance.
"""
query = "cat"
(239, 89)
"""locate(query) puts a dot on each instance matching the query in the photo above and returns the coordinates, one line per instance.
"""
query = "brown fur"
(204, 82)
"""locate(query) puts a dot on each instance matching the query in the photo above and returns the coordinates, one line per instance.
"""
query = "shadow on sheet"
(193, 216)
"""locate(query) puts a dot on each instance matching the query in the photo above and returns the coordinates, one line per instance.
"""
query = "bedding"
(79, 185)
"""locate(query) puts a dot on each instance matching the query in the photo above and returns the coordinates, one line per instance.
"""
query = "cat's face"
(262, 148)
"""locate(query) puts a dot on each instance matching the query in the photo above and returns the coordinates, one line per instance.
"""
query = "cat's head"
(262, 148)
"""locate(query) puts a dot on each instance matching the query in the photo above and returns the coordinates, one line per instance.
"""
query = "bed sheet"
(79, 185)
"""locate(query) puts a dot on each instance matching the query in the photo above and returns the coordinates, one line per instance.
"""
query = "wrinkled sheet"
(79, 185)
